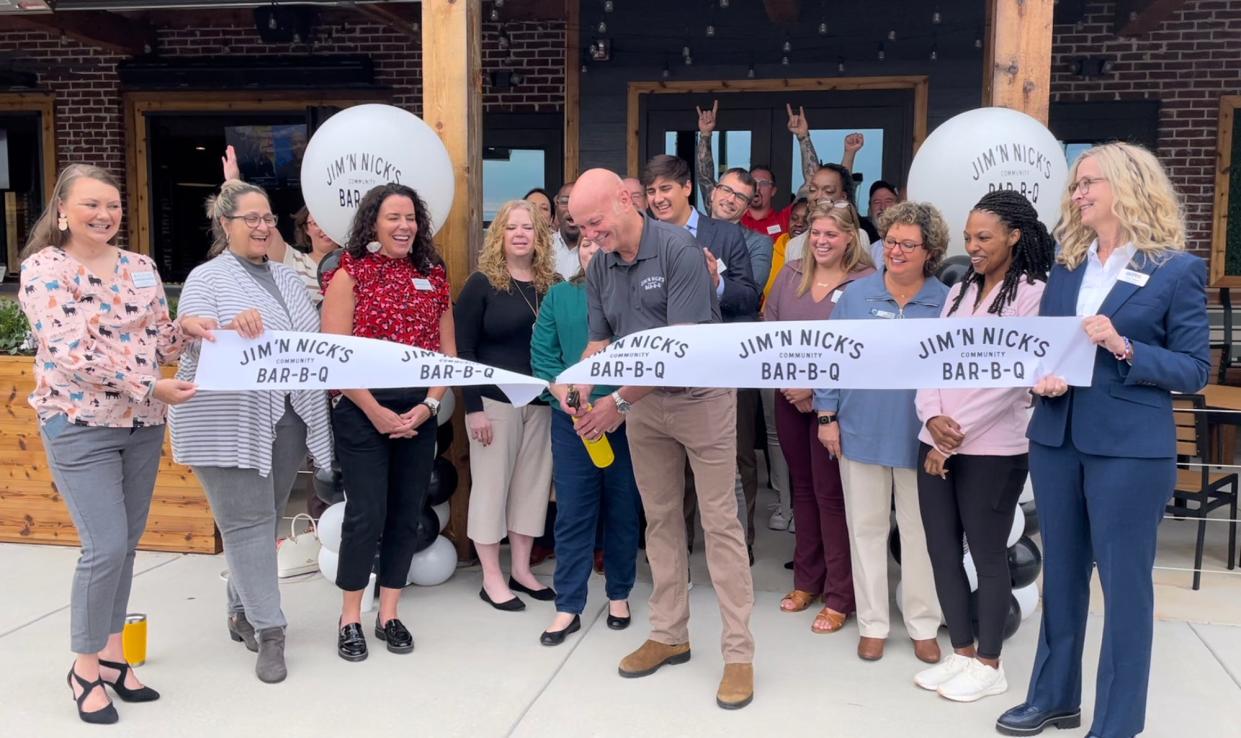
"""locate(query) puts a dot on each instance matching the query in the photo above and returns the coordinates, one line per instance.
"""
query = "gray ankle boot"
(270, 667)
(240, 630)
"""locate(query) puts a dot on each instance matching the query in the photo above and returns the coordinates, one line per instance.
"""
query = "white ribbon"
(289, 360)
(849, 354)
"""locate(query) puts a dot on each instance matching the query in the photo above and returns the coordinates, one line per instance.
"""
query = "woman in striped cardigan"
(246, 447)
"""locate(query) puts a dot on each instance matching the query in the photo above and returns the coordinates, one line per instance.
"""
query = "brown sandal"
(800, 598)
(835, 620)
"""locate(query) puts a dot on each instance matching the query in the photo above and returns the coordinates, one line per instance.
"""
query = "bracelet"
(1127, 354)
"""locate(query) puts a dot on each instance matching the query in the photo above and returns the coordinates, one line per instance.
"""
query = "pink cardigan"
(993, 420)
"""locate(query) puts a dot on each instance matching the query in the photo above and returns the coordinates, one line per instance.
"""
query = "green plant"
(14, 329)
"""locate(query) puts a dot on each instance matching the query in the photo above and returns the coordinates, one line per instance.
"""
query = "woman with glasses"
(874, 433)
(246, 447)
(1103, 457)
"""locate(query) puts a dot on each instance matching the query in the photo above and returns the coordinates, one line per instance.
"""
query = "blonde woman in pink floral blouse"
(102, 330)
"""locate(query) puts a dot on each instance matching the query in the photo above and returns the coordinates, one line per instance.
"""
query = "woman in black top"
(510, 448)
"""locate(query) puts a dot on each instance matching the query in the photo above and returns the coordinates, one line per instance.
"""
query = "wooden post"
(572, 88)
(452, 85)
(1017, 56)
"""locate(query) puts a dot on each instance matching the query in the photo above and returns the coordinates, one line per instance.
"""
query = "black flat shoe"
(102, 716)
(615, 622)
(396, 635)
(547, 594)
(350, 643)
(141, 694)
(556, 637)
(513, 605)
(1026, 719)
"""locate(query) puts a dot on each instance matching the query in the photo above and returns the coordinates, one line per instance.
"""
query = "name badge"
(836, 296)
(422, 284)
(883, 313)
(143, 279)
(1134, 277)
(773, 230)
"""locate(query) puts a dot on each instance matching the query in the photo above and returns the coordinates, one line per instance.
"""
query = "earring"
(62, 222)
(373, 247)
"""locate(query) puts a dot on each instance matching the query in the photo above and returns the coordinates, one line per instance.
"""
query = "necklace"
(534, 308)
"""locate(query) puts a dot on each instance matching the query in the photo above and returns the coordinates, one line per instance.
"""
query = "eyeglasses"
(252, 220)
(1084, 184)
(730, 192)
(562, 200)
(906, 246)
(763, 183)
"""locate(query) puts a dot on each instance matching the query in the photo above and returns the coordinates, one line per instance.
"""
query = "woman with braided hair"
(974, 453)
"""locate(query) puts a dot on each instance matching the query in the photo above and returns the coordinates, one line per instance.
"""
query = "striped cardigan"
(236, 429)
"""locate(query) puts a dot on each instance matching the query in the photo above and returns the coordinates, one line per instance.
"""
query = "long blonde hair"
(855, 256)
(491, 262)
(45, 232)
(1143, 199)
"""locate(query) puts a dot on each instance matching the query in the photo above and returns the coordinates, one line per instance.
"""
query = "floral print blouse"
(100, 341)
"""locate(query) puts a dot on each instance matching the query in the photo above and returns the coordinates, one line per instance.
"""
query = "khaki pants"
(512, 477)
(663, 428)
(868, 510)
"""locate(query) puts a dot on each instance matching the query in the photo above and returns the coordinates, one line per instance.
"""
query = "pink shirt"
(993, 420)
(100, 341)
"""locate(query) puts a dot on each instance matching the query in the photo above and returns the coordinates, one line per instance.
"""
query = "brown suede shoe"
(737, 687)
(652, 655)
(870, 649)
(927, 650)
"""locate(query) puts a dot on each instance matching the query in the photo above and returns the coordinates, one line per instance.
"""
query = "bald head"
(603, 209)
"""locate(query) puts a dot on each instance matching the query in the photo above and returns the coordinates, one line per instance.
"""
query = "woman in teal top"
(584, 493)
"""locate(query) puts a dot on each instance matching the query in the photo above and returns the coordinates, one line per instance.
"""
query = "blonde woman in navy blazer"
(1102, 458)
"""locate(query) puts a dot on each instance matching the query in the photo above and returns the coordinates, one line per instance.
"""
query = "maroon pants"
(821, 557)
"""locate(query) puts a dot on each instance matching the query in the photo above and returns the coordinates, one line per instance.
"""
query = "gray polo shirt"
(667, 283)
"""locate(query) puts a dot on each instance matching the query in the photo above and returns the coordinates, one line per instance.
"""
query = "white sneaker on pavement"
(779, 521)
(976, 681)
(942, 672)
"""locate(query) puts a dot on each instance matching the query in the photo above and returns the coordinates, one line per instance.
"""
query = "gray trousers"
(248, 509)
(107, 477)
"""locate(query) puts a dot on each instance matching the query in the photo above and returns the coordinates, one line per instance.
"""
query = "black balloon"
(428, 529)
(1012, 621)
(327, 264)
(1031, 513)
(443, 482)
(952, 269)
(894, 544)
(1025, 561)
(329, 485)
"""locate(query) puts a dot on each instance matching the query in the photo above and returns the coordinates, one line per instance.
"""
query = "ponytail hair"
(222, 204)
(45, 232)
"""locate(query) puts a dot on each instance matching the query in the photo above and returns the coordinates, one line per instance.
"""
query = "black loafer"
(1026, 719)
(556, 637)
(616, 622)
(350, 643)
(396, 635)
(547, 594)
(513, 605)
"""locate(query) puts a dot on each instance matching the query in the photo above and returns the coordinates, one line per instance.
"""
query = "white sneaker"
(977, 681)
(942, 672)
(779, 521)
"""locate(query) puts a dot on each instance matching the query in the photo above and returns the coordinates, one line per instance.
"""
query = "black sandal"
(141, 694)
(102, 716)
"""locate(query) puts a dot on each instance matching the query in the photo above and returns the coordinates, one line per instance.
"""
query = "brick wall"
(1186, 63)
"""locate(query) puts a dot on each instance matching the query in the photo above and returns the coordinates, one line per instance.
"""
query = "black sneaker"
(350, 643)
(396, 635)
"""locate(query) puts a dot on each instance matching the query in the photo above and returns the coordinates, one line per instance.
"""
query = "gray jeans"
(248, 509)
(107, 476)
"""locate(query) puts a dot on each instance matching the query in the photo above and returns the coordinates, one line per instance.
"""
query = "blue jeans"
(583, 494)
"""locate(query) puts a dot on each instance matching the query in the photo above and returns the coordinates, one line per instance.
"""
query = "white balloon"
(447, 404)
(328, 560)
(971, 571)
(363, 147)
(1019, 526)
(433, 565)
(329, 526)
(983, 150)
(442, 512)
(1027, 599)
(1027, 492)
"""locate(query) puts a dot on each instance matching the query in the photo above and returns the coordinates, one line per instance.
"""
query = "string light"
(840, 64)
(723, 3)
(784, 61)
(689, 61)
(499, 3)
(977, 42)
(684, 51)
(883, 54)
(934, 52)
(892, 35)
(494, 15)
(603, 27)
(823, 28)
(666, 73)
(750, 72)
(936, 18)
(608, 6)
(710, 31)
(787, 47)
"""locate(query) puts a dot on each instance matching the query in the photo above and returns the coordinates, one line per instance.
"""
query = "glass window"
(829, 144)
(1074, 150)
(508, 174)
(729, 149)
(21, 182)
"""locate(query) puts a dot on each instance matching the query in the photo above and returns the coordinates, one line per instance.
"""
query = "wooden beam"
(452, 95)
(572, 88)
(404, 20)
(782, 11)
(1229, 108)
(1017, 56)
(1140, 17)
(95, 27)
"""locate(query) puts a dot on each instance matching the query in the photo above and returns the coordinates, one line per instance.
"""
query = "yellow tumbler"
(134, 639)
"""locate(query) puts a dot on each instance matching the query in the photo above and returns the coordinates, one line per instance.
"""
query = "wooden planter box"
(31, 509)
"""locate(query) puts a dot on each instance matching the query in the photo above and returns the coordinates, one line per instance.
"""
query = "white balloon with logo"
(363, 147)
(984, 150)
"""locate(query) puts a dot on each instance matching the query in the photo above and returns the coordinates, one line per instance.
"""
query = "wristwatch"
(622, 405)
(827, 419)
(433, 405)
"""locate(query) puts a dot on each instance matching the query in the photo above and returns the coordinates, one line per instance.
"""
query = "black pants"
(977, 499)
(385, 489)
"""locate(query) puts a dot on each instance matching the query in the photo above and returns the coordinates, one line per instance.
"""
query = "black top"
(494, 328)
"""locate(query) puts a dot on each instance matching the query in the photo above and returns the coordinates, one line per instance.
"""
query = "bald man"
(663, 266)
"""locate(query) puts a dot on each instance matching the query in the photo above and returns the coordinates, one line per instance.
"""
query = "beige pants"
(663, 428)
(868, 510)
(511, 477)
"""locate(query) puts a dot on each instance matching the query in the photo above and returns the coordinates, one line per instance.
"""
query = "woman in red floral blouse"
(391, 285)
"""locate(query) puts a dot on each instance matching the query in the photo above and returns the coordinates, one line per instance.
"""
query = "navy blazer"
(726, 241)
(1127, 410)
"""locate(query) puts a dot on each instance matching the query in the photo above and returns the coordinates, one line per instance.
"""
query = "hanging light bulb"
(750, 72)
(504, 40)
(710, 31)
(684, 51)
(689, 61)
(934, 52)
(977, 43)
(585, 68)
(723, 3)
(936, 18)
(784, 61)
(883, 54)
(516, 78)
(602, 27)
(823, 28)
(499, 3)
(840, 65)
(787, 47)
(297, 37)
(608, 6)
(892, 35)
(271, 20)
(494, 15)
(666, 73)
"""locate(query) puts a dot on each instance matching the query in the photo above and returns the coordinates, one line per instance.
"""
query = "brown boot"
(737, 687)
(870, 649)
(927, 650)
(652, 655)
